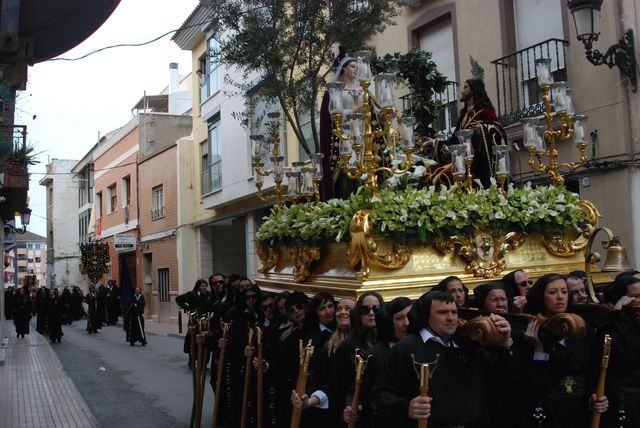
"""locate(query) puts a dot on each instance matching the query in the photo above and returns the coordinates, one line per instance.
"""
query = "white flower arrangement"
(430, 213)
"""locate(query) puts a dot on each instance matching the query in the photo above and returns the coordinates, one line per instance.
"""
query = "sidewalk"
(163, 329)
(35, 391)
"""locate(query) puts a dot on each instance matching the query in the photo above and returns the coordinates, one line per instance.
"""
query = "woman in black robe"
(65, 300)
(42, 308)
(286, 363)
(319, 325)
(454, 286)
(392, 323)
(134, 319)
(623, 374)
(54, 316)
(91, 299)
(22, 312)
(362, 338)
(560, 368)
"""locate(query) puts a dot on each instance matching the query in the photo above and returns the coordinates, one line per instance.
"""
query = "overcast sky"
(69, 104)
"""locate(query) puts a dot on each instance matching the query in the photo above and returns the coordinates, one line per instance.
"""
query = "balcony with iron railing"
(14, 153)
(15, 157)
(518, 93)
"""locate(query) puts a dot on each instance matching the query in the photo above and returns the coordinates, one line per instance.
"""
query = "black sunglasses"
(296, 307)
(365, 310)
(525, 283)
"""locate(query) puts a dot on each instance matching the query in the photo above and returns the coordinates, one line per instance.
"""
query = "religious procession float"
(400, 239)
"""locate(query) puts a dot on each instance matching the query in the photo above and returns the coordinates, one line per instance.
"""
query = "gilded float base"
(329, 268)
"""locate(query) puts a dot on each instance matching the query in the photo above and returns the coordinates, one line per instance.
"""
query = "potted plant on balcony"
(15, 160)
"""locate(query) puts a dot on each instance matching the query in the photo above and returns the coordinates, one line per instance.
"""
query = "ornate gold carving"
(303, 256)
(268, 256)
(565, 246)
(483, 252)
(363, 248)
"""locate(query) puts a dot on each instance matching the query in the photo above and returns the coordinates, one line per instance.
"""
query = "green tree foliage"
(291, 45)
(419, 74)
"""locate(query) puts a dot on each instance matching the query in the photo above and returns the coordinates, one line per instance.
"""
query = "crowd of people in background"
(53, 309)
(528, 376)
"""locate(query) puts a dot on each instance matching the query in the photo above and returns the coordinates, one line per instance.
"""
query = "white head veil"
(338, 76)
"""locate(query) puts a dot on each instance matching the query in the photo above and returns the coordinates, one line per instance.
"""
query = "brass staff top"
(607, 351)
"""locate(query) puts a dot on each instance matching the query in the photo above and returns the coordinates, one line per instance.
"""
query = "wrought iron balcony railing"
(518, 94)
(13, 149)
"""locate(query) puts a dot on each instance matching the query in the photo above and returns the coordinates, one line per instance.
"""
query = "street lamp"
(25, 218)
(586, 17)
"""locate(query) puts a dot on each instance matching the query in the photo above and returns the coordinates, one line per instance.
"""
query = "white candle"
(460, 164)
(578, 134)
(502, 166)
(469, 149)
(560, 102)
(387, 97)
(531, 136)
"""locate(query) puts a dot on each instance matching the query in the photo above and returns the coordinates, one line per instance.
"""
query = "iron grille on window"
(163, 285)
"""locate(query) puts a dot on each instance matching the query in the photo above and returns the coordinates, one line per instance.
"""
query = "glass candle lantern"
(458, 152)
(278, 167)
(441, 136)
(308, 187)
(580, 133)
(502, 165)
(559, 94)
(464, 138)
(385, 89)
(363, 59)
(336, 105)
(293, 179)
(570, 110)
(297, 166)
(316, 161)
(357, 128)
(543, 71)
(344, 145)
(257, 178)
(407, 138)
(541, 145)
(529, 132)
(256, 144)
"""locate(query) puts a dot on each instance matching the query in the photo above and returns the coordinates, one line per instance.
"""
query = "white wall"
(64, 221)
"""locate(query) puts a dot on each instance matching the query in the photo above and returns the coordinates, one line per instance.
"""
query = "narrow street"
(127, 385)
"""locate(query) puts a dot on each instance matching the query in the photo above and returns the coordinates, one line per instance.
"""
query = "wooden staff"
(216, 400)
(604, 364)
(247, 382)
(201, 366)
(424, 390)
(424, 374)
(204, 324)
(260, 379)
(303, 375)
(361, 364)
(192, 356)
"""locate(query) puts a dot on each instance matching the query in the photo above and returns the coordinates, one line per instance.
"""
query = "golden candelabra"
(357, 137)
(572, 127)
(303, 182)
